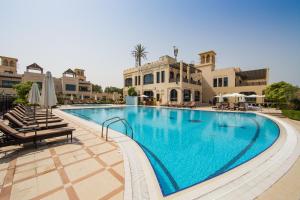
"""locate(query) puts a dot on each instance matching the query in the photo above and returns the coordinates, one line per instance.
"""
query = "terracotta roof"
(35, 66)
(69, 71)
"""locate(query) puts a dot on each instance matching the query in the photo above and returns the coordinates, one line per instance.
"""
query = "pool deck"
(88, 168)
(288, 186)
(91, 168)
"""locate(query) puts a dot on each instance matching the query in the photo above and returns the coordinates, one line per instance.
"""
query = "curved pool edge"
(249, 180)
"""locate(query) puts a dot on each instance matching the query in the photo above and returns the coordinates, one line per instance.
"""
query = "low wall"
(130, 100)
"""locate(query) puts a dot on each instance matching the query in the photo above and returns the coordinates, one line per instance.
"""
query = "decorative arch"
(12, 63)
(207, 58)
(173, 95)
(5, 62)
(186, 95)
(202, 59)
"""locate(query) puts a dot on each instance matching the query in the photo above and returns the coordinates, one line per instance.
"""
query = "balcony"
(251, 83)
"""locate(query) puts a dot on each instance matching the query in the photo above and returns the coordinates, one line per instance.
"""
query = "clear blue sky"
(99, 35)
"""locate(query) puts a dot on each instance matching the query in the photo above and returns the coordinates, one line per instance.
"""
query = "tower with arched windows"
(208, 59)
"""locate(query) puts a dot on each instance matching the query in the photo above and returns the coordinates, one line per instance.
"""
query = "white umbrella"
(242, 99)
(252, 96)
(143, 95)
(237, 95)
(34, 97)
(227, 95)
(220, 98)
(82, 97)
(234, 95)
(48, 97)
(71, 97)
(96, 98)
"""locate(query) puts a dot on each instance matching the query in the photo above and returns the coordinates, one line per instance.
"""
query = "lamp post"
(175, 52)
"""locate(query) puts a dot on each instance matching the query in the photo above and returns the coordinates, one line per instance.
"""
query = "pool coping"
(247, 181)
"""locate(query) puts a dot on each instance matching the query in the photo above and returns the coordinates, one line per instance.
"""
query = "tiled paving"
(89, 168)
(288, 187)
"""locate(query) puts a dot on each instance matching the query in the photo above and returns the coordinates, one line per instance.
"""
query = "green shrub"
(292, 114)
(132, 92)
(22, 90)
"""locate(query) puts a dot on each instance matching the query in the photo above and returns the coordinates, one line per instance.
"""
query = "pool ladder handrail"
(117, 119)
(107, 121)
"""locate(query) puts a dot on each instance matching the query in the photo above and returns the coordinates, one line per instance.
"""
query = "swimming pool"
(186, 147)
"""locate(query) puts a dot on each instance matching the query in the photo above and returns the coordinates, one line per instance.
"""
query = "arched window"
(148, 79)
(197, 96)
(207, 59)
(186, 95)
(5, 62)
(128, 82)
(213, 59)
(12, 63)
(202, 59)
(173, 95)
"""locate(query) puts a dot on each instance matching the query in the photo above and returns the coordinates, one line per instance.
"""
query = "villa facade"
(165, 80)
(230, 80)
(72, 83)
(172, 82)
(8, 75)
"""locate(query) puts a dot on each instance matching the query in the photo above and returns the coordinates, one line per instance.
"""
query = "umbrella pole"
(34, 112)
(47, 117)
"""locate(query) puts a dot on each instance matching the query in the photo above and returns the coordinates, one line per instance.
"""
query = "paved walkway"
(88, 168)
(287, 187)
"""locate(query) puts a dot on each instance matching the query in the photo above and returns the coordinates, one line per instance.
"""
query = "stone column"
(181, 72)
(179, 96)
(167, 74)
(192, 95)
(188, 73)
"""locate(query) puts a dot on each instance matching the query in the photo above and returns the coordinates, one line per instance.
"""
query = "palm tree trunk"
(139, 61)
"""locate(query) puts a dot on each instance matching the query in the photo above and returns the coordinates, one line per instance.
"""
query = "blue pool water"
(186, 147)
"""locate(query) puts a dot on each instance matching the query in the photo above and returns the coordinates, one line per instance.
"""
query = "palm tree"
(138, 53)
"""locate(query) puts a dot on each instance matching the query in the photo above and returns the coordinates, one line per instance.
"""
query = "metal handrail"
(129, 127)
(126, 125)
(113, 123)
(107, 121)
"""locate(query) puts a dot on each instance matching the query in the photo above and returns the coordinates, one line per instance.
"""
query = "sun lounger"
(13, 136)
(29, 121)
(16, 123)
(37, 114)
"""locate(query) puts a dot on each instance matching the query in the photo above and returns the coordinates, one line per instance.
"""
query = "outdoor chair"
(18, 124)
(12, 136)
(28, 121)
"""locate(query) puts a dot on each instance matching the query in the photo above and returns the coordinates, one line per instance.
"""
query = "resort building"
(172, 82)
(74, 84)
(229, 80)
(166, 80)
(8, 75)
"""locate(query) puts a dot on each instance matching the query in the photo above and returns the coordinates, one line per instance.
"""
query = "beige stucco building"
(229, 80)
(175, 82)
(8, 75)
(72, 83)
(165, 80)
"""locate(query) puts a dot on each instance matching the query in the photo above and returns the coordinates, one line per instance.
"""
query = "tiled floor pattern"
(88, 168)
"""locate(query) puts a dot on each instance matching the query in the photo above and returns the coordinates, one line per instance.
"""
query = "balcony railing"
(252, 83)
(185, 81)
